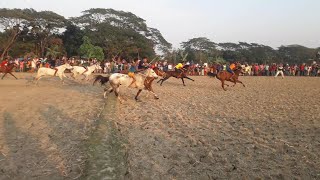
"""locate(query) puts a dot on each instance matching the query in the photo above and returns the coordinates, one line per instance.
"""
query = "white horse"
(50, 72)
(247, 70)
(79, 70)
(143, 82)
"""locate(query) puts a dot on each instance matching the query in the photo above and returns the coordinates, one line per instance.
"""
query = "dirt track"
(270, 129)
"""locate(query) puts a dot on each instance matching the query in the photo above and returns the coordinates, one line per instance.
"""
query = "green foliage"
(122, 26)
(54, 51)
(72, 39)
(88, 50)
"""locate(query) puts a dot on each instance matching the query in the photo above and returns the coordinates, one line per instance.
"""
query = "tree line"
(107, 33)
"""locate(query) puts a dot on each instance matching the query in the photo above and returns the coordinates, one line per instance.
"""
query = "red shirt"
(3, 63)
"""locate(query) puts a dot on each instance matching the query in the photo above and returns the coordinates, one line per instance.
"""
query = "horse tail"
(96, 78)
(101, 79)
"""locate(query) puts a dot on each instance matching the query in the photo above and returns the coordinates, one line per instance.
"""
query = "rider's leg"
(85, 70)
(55, 71)
(131, 74)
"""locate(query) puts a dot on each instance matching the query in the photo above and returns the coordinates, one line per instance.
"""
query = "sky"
(268, 22)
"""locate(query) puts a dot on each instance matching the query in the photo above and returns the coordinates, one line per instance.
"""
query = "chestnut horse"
(226, 76)
(8, 69)
(167, 74)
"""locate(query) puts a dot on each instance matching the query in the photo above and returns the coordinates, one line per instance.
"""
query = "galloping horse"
(43, 71)
(143, 82)
(167, 74)
(79, 70)
(8, 69)
(226, 76)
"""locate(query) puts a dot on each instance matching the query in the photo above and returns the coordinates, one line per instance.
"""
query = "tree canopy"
(105, 33)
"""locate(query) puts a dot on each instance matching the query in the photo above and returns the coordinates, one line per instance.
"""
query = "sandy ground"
(270, 130)
(42, 128)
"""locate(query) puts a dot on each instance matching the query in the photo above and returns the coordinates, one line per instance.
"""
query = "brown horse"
(167, 74)
(8, 69)
(227, 76)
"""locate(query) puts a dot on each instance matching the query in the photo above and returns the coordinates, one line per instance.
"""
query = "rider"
(4, 63)
(85, 67)
(55, 68)
(231, 68)
(178, 68)
(133, 68)
(143, 64)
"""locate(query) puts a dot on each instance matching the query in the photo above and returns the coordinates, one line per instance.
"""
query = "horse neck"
(92, 68)
(62, 67)
(11, 66)
(237, 72)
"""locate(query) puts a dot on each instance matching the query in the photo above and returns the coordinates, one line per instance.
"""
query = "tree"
(72, 39)
(44, 24)
(119, 22)
(12, 22)
(90, 51)
(199, 49)
(296, 54)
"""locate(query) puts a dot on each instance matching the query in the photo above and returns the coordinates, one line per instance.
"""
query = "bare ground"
(270, 129)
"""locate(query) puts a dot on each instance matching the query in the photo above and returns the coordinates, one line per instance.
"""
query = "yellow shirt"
(179, 66)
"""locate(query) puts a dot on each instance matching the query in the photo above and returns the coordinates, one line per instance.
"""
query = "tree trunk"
(10, 43)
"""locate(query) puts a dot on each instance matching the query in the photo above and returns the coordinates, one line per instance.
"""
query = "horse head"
(68, 66)
(151, 73)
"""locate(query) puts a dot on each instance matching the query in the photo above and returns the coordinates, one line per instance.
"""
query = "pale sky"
(269, 22)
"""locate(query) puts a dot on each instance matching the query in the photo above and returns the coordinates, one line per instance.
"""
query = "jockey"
(4, 63)
(55, 68)
(178, 67)
(142, 65)
(85, 67)
(133, 68)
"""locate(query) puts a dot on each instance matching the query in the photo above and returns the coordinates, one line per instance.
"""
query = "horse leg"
(105, 91)
(222, 84)
(183, 82)
(240, 83)
(163, 80)
(150, 89)
(116, 92)
(159, 81)
(189, 78)
(13, 75)
(3, 75)
(136, 98)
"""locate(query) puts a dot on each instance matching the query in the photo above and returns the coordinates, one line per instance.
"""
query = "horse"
(226, 76)
(8, 69)
(79, 70)
(43, 71)
(167, 74)
(143, 82)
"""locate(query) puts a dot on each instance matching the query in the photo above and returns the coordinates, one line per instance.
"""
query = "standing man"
(280, 71)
